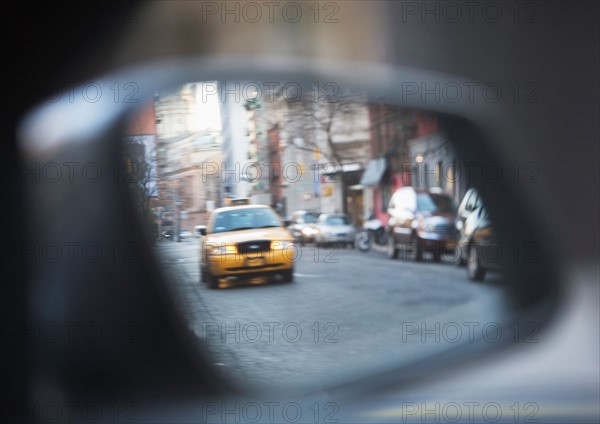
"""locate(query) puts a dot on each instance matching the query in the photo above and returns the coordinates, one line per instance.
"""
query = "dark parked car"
(470, 203)
(302, 226)
(421, 221)
(479, 246)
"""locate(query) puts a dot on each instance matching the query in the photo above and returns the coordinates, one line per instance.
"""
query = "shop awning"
(374, 172)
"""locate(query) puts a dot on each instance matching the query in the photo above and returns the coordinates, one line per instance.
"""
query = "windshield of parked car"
(243, 219)
(311, 218)
(432, 203)
(336, 220)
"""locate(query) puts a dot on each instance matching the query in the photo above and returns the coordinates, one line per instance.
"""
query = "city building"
(237, 166)
(407, 148)
(390, 129)
(189, 156)
(316, 149)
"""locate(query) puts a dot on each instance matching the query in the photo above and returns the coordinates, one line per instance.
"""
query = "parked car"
(302, 226)
(470, 203)
(479, 245)
(421, 221)
(198, 230)
(167, 234)
(335, 229)
(185, 234)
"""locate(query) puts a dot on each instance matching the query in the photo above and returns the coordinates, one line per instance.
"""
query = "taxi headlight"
(220, 250)
(282, 244)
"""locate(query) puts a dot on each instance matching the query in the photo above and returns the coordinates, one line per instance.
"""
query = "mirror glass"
(267, 205)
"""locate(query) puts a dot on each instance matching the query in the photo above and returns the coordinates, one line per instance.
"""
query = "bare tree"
(312, 113)
(140, 174)
(328, 110)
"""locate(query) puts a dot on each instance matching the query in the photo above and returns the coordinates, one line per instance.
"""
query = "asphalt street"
(346, 314)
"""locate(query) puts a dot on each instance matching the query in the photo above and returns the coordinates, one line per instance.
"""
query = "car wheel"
(203, 275)
(475, 271)
(288, 275)
(392, 249)
(362, 241)
(211, 280)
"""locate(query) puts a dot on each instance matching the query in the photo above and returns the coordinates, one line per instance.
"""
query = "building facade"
(189, 157)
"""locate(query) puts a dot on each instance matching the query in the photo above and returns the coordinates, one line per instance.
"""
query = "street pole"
(177, 217)
(178, 220)
(160, 220)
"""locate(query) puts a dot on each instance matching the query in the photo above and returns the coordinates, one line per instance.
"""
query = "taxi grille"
(255, 246)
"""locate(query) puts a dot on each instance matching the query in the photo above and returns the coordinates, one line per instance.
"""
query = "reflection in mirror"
(312, 233)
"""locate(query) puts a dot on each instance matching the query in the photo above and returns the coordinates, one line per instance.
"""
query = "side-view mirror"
(287, 222)
(203, 231)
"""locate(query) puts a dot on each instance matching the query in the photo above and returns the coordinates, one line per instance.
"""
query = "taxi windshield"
(244, 219)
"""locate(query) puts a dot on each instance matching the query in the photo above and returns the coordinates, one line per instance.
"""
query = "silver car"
(335, 229)
(302, 226)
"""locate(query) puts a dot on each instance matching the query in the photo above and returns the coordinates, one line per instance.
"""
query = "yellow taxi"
(244, 241)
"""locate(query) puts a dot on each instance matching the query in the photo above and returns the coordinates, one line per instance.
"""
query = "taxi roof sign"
(236, 202)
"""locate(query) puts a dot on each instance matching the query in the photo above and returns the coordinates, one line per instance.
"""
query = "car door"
(406, 210)
(467, 205)
(483, 237)
(402, 213)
